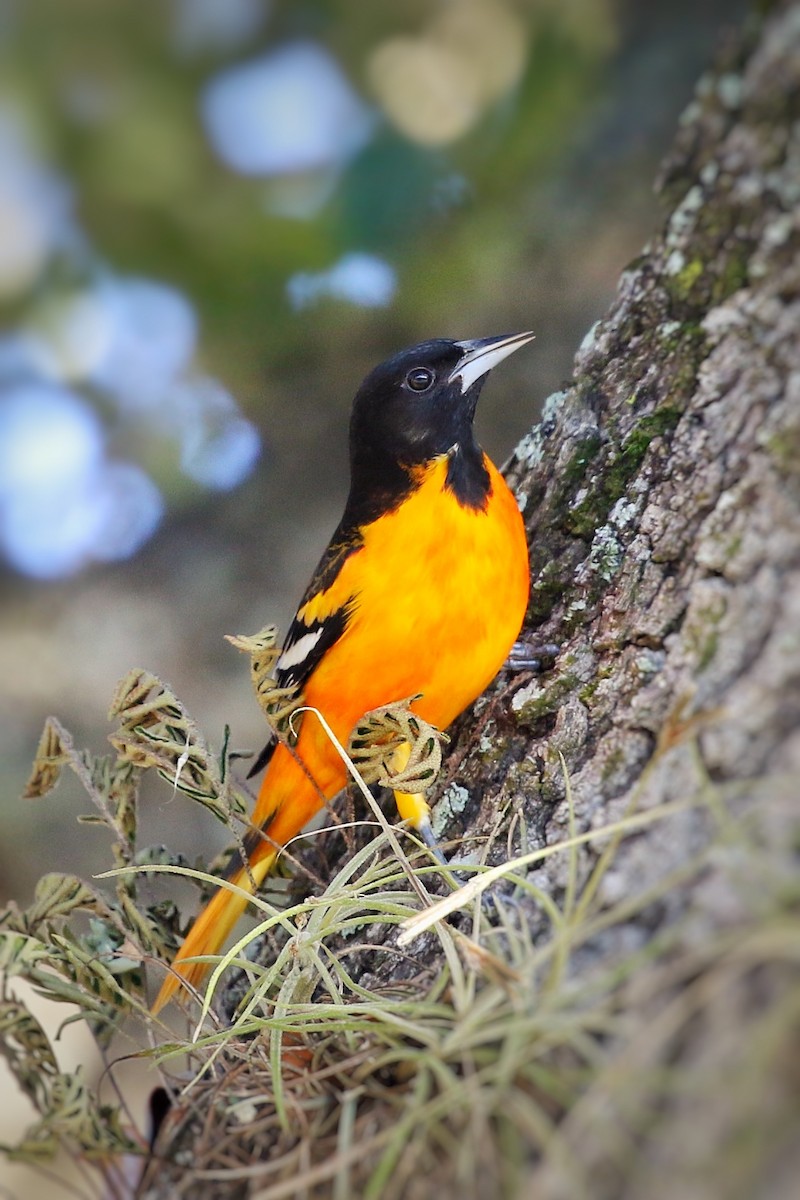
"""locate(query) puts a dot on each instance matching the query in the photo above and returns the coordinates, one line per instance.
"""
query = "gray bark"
(662, 495)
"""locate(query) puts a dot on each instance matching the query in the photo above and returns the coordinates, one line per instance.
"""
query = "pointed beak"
(481, 354)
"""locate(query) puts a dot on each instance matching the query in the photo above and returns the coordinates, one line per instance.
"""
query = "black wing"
(309, 639)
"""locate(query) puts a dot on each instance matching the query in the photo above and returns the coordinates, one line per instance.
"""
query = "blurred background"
(214, 219)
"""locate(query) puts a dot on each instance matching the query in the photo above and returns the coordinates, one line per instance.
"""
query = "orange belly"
(439, 618)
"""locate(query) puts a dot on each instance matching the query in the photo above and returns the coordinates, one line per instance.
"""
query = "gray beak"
(481, 354)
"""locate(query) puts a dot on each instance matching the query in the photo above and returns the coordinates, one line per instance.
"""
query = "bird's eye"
(420, 379)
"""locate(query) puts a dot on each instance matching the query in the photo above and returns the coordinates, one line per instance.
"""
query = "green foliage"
(70, 1113)
(78, 946)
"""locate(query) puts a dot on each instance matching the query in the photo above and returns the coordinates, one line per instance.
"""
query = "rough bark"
(661, 492)
(662, 496)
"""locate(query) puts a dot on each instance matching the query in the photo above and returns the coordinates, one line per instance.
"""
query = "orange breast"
(441, 595)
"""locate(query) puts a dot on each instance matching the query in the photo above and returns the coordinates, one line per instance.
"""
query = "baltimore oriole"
(422, 589)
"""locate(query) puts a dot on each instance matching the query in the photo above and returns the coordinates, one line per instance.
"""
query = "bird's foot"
(531, 656)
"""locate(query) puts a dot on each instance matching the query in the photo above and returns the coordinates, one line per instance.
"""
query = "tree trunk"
(661, 492)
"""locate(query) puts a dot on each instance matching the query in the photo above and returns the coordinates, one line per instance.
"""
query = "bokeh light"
(150, 338)
(62, 503)
(128, 336)
(34, 208)
(83, 362)
(357, 278)
(131, 343)
(434, 87)
(48, 437)
(290, 111)
(218, 447)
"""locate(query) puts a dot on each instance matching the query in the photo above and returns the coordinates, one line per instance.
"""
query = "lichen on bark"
(660, 492)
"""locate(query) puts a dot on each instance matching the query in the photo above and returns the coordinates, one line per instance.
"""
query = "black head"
(419, 405)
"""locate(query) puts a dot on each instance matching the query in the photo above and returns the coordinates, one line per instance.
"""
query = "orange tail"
(287, 800)
(210, 931)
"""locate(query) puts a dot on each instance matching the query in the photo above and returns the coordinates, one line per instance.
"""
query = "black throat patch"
(467, 477)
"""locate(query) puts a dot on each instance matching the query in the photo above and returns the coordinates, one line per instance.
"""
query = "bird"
(422, 591)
